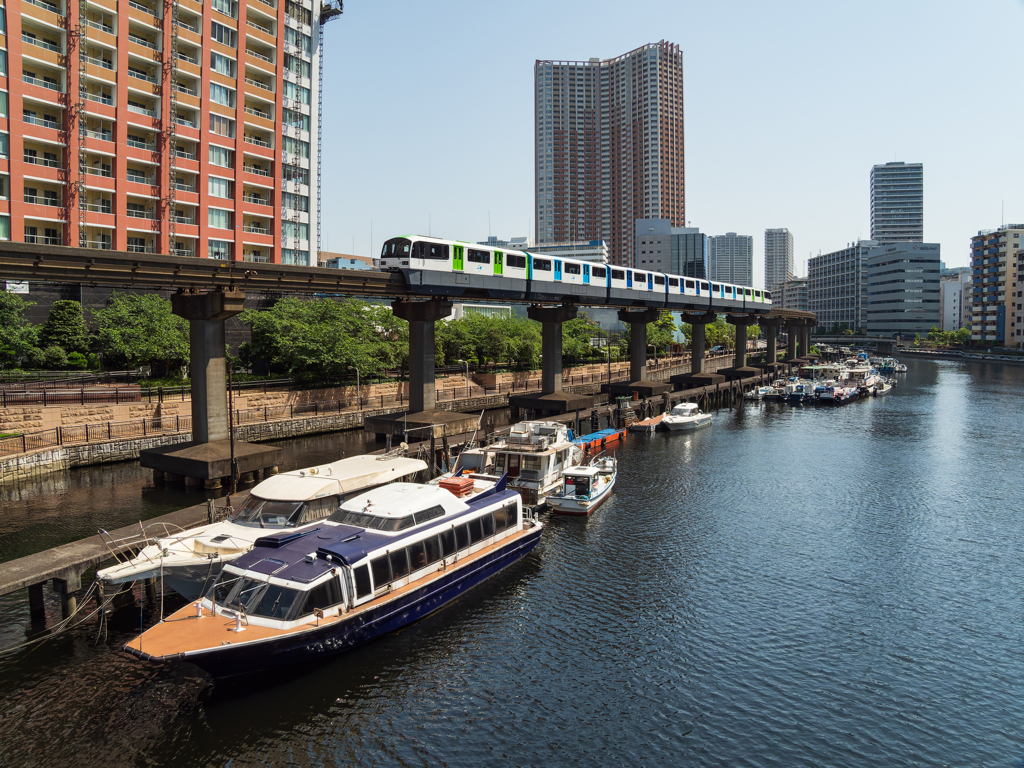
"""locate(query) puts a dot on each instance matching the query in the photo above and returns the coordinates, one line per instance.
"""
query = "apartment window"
(222, 65)
(221, 156)
(137, 244)
(303, 42)
(297, 12)
(295, 146)
(4, 145)
(296, 175)
(221, 95)
(296, 92)
(227, 7)
(222, 126)
(294, 258)
(220, 188)
(297, 66)
(3, 101)
(5, 227)
(219, 249)
(295, 202)
(219, 219)
(5, 187)
(295, 229)
(223, 35)
(296, 120)
(3, 63)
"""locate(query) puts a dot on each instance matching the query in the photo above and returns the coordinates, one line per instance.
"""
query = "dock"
(647, 425)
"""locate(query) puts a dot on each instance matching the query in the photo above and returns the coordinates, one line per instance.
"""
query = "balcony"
(257, 171)
(258, 113)
(53, 202)
(99, 245)
(41, 122)
(34, 160)
(184, 219)
(48, 84)
(186, 122)
(182, 187)
(140, 178)
(138, 74)
(258, 27)
(100, 208)
(257, 141)
(141, 110)
(258, 55)
(256, 230)
(42, 239)
(44, 5)
(150, 145)
(255, 200)
(139, 248)
(108, 28)
(141, 41)
(138, 214)
(104, 63)
(258, 84)
(101, 135)
(100, 98)
(40, 43)
(185, 89)
(182, 252)
(184, 155)
(189, 59)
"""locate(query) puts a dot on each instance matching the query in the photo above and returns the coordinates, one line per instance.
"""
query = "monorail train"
(436, 267)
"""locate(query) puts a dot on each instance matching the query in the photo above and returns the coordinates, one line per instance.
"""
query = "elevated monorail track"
(122, 269)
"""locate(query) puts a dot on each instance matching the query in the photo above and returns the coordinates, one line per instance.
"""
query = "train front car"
(425, 262)
(436, 267)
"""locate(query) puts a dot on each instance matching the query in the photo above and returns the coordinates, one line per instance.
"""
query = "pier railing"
(97, 432)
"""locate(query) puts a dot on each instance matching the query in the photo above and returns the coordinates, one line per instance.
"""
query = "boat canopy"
(340, 477)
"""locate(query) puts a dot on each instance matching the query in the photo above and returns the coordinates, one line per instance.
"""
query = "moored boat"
(189, 561)
(758, 393)
(396, 554)
(584, 488)
(686, 416)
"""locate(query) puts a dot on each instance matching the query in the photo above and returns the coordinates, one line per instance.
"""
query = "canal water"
(790, 587)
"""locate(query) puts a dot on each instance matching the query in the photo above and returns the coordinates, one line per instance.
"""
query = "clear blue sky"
(429, 113)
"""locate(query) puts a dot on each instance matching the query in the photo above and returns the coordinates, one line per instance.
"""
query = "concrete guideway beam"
(551, 319)
(421, 316)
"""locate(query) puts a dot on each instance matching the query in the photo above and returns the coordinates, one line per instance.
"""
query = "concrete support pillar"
(771, 332)
(206, 313)
(421, 316)
(805, 337)
(36, 603)
(792, 329)
(698, 328)
(551, 319)
(741, 322)
(638, 321)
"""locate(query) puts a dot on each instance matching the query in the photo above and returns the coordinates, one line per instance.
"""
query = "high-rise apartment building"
(897, 203)
(792, 294)
(176, 127)
(778, 258)
(994, 289)
(835, 286)
(901, 289)
(955, 298)
(660, 247)
(609, 146)
(731, 259)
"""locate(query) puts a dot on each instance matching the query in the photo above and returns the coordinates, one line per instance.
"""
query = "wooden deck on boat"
(647, 425)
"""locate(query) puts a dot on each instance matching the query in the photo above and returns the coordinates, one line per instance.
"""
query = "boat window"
(274, 602)
(488, 525)
(478, 257)
(318, 509)
(542, 265)
(267, 514)
(618, 274)
(512, 515)
(321, 596)
(500, 519)
(659, 280)
(362, 577)
(462, 536)
(381, 568)
(375, 522)
(531, 462)
(499, 461)
(571, 269)
(673, 282)
(433, 549)
(226, 584)
(598, 272)
(438, 251)
(399, 564)
(429, 514)
(447, 543)
(475, 530)
(417, 556)
(512, 260)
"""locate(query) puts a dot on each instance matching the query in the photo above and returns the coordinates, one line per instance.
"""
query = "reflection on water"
(792, 586)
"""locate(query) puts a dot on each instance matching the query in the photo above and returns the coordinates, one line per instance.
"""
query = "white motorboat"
(534, 454)
(686, 416)
(758, 393)
(191, 560)
(584, 488)
(882, 388)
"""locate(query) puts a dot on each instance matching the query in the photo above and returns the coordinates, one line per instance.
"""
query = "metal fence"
(83, 396)
(96, 432)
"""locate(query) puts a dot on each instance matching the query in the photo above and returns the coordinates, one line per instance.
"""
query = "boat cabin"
(686, 409)
(578, 481)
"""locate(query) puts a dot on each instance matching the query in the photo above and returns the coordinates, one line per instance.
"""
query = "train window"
(542, 265)
(512, 260)
(438, 251)
(715, 287)
(571, 269)
(397, 247)
(673, 282)
(691, 284)
(659, 280)
(598, 271)
(757, 294)
(747, 291)
(768, 295)
(618, 274)
(703, 286)
(639, 277)
(478, 257)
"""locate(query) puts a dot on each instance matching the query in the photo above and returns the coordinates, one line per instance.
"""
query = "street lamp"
(466, 363)
(655, 348)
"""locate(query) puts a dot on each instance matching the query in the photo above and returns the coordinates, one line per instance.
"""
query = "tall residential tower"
(897, 203)
(609, 146)
(162, 126)
(778, 258)
(731, 259)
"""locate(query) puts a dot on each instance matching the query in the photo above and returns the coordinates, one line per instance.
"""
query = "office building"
(792, 294)
(609, 146)
(344, 261)
(901, 290)
(731, 259)
(994, 287)
(178, 127)
(513, 243)
(835, 286)
(955, 298)
(778, 258)
(660, 247)
(590, 250)
(897, 203)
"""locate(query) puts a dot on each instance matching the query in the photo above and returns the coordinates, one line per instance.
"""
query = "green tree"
(135, 330)
(576, 336)
(17, 336)
(65, 328)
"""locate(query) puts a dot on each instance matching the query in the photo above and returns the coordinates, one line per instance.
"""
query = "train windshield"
(396, 247)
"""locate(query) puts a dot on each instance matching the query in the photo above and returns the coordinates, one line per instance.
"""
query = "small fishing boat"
(777, 392)
(900, 368)
(686, 416)
(882, 388)
(758, 393)
(796, 391)
(393, 556)
(189, 561)
(584, 488)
